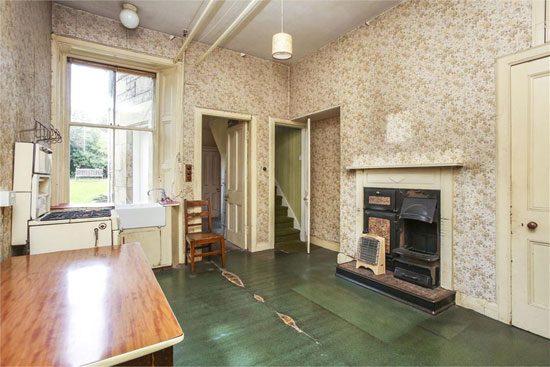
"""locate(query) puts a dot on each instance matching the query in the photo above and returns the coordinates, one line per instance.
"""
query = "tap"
(162, 192)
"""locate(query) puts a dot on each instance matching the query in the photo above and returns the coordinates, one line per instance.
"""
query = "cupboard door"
(149, 239)
(69, 236)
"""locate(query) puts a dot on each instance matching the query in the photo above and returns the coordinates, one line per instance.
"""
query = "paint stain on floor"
(259, 298)
(233, 278)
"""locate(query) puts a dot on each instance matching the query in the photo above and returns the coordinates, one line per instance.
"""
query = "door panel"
(236, 184)
(211, 179)
(530, 113)
(170, 90)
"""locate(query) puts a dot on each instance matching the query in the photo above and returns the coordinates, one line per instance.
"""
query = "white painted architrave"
(252, 244)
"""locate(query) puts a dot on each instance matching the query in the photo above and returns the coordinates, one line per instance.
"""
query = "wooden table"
(93, 306)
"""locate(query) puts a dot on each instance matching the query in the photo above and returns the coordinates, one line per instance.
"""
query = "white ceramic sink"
(140, 215)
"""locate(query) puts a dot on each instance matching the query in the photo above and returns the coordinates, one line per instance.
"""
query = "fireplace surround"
(437, 177)
(432, 260)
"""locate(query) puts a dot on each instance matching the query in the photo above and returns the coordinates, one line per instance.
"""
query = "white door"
(236, 184)
(211, 178)
(307, 197)
(530, 131)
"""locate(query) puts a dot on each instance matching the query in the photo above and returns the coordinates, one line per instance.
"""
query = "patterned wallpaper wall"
(25, 58)
(418, 86)
(224, 81)
(325, 179)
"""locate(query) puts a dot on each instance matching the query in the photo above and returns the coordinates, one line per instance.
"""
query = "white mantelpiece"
(399, 166)
(434, 177)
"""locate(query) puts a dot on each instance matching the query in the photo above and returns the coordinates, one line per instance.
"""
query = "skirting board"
(489, 309)
(329, 245)
(261, 246)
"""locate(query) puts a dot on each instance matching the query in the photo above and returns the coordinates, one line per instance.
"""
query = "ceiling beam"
(195, 29)
(246, 12)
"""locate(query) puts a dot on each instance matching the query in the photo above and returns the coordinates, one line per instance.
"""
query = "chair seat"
(203, 236)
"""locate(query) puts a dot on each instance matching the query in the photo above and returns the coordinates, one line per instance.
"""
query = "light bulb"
(128, 16)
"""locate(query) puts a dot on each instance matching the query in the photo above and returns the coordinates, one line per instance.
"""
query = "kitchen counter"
(93, 306)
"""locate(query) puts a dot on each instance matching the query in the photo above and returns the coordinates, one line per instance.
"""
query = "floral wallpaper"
(417, 85)
(223, 81)
(25, 58)
(325, 179)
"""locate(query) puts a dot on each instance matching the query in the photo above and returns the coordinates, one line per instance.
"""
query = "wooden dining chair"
(196, 240)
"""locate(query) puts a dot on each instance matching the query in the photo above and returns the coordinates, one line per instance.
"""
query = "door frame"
(251, 243)
(504, 66)
(271, 181)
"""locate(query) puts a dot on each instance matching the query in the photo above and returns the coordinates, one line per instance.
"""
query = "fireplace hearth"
(409, 220)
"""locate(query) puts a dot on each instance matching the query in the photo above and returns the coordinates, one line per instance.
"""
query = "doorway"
(320, 178)
(289, 186)
(225, 175)
(214, 168)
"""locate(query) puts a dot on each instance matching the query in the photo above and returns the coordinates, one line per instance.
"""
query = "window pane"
(89, 167)
(92, 97)
(134, 100)
(133, 166)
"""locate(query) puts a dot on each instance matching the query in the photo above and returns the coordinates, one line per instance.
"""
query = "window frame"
(113, 127)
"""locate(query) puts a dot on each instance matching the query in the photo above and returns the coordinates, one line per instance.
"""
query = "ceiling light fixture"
(128, 16)
(281, 46)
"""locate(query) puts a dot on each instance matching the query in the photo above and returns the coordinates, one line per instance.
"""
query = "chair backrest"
(189, 213)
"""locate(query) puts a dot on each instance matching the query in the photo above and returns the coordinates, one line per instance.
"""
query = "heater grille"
(369, 250)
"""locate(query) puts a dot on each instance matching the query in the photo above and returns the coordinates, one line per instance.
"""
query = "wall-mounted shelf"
(421, 165)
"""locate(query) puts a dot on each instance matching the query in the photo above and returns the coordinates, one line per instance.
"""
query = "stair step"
(282, 210)
(292, 243)
(286, 234)
(284, 225)
(283, 219)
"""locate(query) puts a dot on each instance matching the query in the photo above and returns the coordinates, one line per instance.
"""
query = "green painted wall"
(288, 166)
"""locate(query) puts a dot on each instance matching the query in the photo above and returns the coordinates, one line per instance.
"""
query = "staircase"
(286, 235)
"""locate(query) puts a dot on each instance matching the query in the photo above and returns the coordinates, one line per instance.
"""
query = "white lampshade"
(281, 46)
(129, 17)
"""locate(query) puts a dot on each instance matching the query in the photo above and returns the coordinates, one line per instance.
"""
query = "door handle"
(532, 225)
(96, 233)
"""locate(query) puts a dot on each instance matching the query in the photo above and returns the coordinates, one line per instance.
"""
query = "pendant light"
(281, 46)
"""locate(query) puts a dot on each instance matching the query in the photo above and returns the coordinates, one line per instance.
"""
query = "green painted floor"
(342, 323)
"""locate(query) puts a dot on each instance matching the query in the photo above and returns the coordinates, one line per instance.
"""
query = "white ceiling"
(312, 23)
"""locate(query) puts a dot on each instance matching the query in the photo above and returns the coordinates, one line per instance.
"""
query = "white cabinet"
(150, 240)
(156, 242)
